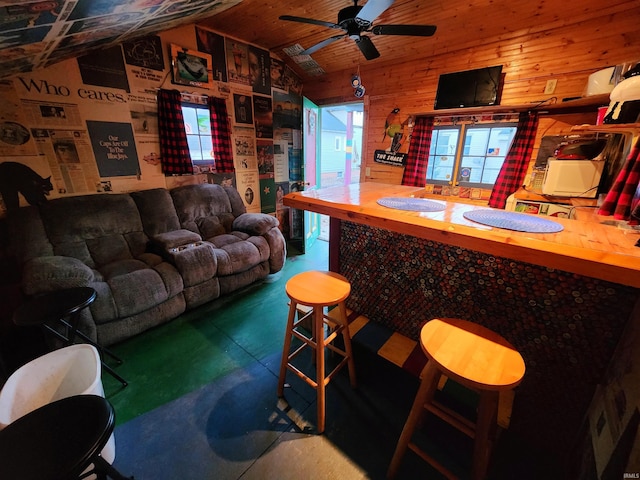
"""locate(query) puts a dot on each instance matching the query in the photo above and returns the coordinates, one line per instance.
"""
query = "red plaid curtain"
(415, 171)
(624, 194)
(174, 149)
(221, 135)
(517, 160)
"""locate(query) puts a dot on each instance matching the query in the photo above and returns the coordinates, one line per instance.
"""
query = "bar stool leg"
(318, 327)
(285, 349)
(347, 345)
(487, 419)
(426, 391)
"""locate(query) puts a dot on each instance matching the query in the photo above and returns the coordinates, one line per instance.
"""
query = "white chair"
(68, 371)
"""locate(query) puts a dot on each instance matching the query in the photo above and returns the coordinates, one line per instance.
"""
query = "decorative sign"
(390, 158)
(191, 67)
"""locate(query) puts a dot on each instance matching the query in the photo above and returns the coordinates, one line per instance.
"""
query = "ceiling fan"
(356, 20)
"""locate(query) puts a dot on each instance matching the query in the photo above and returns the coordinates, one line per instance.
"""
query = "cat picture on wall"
(17, 178)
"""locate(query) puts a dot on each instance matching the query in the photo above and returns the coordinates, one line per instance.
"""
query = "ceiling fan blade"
(367, 48)
(372, 9)
(322, 44)
(413, 30)
(309, 20)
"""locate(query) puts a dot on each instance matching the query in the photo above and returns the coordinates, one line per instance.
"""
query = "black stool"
(63, 307)
(60, 440)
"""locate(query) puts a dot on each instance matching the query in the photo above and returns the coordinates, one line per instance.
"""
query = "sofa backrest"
(157, 211)
(207, 209)
(96, 229)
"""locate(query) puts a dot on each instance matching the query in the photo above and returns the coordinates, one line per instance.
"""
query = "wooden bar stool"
(475, 357)
(318, 290)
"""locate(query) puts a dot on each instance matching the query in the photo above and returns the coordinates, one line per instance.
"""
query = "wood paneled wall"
(567, 52)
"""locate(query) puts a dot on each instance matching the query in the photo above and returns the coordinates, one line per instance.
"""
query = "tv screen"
(471, 88)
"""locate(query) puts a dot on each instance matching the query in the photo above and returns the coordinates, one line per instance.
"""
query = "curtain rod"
(470, 117)
(194, 94)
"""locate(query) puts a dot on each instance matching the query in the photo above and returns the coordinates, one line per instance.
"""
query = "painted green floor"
(205, 344)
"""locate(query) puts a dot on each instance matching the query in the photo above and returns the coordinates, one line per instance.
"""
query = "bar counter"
(562, 299)
(588, 248)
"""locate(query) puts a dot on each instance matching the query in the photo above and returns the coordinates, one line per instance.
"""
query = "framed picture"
(191, 67)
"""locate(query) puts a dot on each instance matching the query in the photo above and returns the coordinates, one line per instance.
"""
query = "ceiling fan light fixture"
(355, 20)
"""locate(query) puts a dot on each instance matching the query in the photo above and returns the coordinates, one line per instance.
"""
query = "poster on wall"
(190, 67)
(70, 159)
(114, 148)
(282, 211)
(144, 118)
(265, 158)
(15, 139)
(106, 69)
(263, 116)
(280, 161)
(144, 52)
(237, 62)
(213, 44)
(244, 153)
(224, 179)
(259, 70)
(249, 189)
(292, 82)
(287, 110)
(93, 8)
(267, 195)
(277, 74)
(243, 109)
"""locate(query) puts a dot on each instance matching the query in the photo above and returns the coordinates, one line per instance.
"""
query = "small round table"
(59, 440)
(62, 307)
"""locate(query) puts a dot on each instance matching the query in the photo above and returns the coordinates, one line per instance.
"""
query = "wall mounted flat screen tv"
(470, 88)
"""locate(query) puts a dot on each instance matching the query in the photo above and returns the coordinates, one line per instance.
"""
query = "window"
(469, 154)
(338, 144)
(198, 127)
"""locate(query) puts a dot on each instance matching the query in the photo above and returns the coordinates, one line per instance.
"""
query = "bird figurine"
(392, 124)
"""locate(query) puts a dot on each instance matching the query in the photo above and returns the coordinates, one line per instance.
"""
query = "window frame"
(208, 162)
(461, 153)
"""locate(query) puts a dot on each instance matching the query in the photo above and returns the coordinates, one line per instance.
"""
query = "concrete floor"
(201, 404)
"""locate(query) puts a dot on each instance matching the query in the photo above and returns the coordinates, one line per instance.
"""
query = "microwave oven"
(572, 178)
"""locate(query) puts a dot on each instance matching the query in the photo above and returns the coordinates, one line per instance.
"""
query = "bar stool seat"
(317, 290)
(478, 359)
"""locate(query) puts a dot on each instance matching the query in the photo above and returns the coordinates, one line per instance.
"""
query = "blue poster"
(114, 148)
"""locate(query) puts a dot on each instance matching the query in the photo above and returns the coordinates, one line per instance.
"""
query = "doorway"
(339, 148)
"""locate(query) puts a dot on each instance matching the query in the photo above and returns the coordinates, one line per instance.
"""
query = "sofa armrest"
(175, 238)
(196, 262)
(45, 274)
(255, 223)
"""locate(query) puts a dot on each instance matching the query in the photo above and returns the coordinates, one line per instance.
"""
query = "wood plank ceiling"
(461, 25)
(32, 36)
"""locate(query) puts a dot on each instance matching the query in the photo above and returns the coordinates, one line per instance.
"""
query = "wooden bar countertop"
(591, 248)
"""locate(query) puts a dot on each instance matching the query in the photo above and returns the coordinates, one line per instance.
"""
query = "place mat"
(412, 204)
(520, 222)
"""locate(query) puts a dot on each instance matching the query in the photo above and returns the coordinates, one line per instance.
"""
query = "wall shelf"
(584, 104)
(625, 128)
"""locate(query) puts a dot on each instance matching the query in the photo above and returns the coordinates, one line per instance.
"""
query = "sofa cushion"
(235, 254)
(214, 225)
(134, 286)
